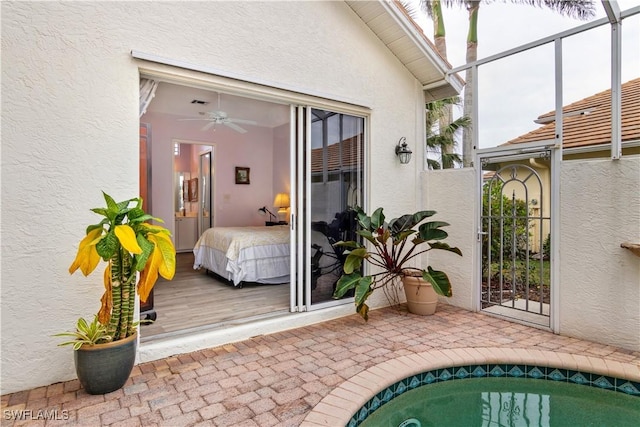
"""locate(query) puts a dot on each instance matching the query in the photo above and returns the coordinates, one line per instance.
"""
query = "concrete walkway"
(276, 380)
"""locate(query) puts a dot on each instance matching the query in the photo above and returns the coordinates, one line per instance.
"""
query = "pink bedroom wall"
(235, 204)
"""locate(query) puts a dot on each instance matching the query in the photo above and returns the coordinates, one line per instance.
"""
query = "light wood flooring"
(197, 300)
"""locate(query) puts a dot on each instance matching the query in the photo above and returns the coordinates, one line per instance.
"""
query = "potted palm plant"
(105, 348)
(392, 246)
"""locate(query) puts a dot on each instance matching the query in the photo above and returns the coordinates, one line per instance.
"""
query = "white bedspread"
(252, 254)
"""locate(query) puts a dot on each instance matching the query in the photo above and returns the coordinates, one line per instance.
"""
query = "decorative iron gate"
(515, 235)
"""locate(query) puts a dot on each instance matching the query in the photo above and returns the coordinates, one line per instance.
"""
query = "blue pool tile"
(429, 378)
(414, 382)
(375, 403)
(461, 372)
(535, 372)
(516, 371)
(479, 371)
(497, 370)
(557, 375)
(579, 377)
(444, 374)
(604, 382)
(628, 387)
(400, 388)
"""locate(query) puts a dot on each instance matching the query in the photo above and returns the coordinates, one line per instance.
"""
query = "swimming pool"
(351, 402)
(503, 401)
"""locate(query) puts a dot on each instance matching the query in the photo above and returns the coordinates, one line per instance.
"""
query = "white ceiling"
(176, 100)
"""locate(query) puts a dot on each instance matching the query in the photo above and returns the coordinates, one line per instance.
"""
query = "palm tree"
(441, 139)
(580, 9)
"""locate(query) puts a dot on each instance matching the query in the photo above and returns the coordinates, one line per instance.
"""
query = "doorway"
(315, 155)
(515, 235)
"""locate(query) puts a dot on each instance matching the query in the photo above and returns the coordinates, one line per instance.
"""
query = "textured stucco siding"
(599, 280)
(452, 194)
(70, 129)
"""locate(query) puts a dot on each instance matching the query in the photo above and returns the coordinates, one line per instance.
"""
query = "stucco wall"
(70, 129)
(599, 280)
(452, 194)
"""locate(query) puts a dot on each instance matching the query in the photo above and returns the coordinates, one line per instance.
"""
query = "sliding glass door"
(329, 153)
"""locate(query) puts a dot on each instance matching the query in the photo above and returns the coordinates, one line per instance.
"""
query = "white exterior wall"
(599, 289)
(70, 129)
(452, 194)
(599, 280)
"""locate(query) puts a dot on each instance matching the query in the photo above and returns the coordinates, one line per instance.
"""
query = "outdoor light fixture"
(263, 211)
(403, 152)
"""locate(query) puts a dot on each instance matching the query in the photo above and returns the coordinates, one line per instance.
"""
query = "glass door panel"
(334, 181)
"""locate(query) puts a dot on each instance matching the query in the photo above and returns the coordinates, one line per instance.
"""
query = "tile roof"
(588, 121)
(340, 156)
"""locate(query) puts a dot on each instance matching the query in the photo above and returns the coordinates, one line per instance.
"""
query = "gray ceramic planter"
(104, 368)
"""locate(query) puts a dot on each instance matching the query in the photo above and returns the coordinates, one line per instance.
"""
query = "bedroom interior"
(231, 203)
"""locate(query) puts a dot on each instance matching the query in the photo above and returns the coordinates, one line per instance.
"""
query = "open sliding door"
(328, 147)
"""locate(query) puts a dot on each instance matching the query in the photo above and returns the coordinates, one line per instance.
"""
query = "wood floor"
(197, 300)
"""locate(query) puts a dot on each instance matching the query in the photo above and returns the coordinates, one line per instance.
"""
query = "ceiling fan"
(219, 117)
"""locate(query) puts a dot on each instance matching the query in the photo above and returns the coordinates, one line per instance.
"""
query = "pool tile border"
(350, 403)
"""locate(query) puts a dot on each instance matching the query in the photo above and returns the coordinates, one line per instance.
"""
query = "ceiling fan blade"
(209, 125)
(234, 127)
(182, 120)
(244, 122)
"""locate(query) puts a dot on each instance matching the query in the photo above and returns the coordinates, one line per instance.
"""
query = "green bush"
(513, 223)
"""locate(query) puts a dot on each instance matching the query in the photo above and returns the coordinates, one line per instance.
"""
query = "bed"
(245, 254)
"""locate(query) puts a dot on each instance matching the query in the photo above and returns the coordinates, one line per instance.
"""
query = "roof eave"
(431, 69)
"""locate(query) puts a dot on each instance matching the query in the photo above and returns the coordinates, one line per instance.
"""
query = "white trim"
(533, 44)
(518, 148)
(556, 165)
(612, 10)
(293, 195)
(306, 179)
(286, 93)
(616, 89)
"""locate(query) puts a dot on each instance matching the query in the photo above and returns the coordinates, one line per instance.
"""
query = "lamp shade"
(281, 201)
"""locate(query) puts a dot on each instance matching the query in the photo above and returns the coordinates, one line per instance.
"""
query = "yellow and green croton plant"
(128, 244)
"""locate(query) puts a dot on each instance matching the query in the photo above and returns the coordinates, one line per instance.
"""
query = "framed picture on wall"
(242, 175)
(193, 190)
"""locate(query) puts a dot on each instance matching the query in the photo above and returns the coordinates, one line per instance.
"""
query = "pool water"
(507, 401)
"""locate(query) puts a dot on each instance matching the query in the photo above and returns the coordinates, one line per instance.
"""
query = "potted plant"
(392, 246)
(105, 348)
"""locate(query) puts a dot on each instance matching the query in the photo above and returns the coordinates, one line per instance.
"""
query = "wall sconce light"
(403, 152)
(263, 211)
(282, 203)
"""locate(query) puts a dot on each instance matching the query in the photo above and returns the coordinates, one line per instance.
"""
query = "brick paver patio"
(276, 380)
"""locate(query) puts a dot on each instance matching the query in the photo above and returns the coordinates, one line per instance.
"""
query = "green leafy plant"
(509, 224)
(86, 334)
(129, 245)
(391, 246)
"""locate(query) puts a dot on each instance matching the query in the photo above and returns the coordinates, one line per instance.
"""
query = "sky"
(515, 91)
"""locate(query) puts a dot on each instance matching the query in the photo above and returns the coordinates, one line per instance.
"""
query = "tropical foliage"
(441, 135)
(392, 246)
(580, 9)
(507, 219)
(86, 334)
(128, 244)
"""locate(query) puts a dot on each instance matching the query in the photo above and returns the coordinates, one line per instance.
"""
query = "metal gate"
(515, 236)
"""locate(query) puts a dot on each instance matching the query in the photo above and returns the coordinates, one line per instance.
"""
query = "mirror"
(181, 191)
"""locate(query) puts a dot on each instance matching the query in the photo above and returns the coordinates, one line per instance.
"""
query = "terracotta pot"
(421, 298)
(104, 368)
